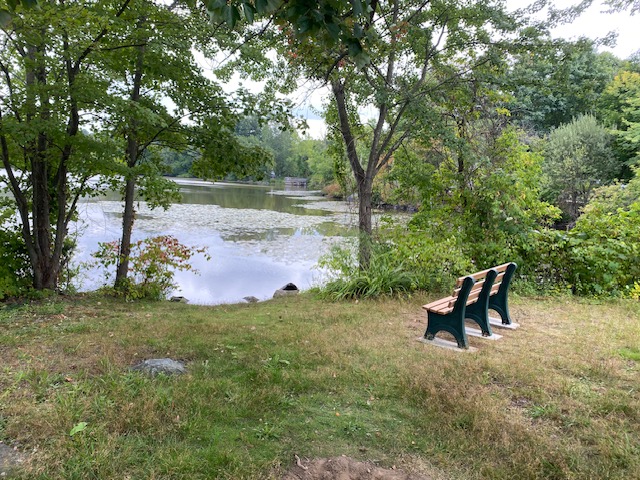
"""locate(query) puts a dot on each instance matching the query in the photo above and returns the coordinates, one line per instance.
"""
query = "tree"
(406, 55)
(153, 67)
(313, 155)
(557, 80)
(619, 5)
(620, 109)
(49, 92)
(578, 158)
(82, 86)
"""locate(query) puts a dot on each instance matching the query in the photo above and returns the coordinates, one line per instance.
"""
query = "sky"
(596, 23)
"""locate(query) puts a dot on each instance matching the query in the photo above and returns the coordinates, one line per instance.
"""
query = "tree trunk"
(364, 179)
(44, 264)
(128, 217)
(365, 197)
(132, 154)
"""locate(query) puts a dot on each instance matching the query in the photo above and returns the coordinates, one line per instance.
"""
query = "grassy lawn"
(558, 398)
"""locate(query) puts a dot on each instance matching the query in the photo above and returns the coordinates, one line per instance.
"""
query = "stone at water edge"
(288, 290)
(179, 299)
(155, 366)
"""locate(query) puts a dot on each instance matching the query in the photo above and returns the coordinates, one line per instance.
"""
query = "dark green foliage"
(579, 157)
(556, 80)
(492, 207)
(177, 164)
(600, 255)
(434, 261)
(326, 22)
(292, 155)
(619, 107)
(15, 271)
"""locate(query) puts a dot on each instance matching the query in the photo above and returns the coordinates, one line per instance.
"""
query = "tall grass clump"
(384, 275)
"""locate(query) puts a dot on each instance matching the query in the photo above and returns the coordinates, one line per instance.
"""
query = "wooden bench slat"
(479, 281)
(476, 276)
(476, 288)
(437, 303)
(473, 297)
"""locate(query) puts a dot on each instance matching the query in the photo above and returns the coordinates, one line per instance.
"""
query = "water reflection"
(244, 197)
(259, 238)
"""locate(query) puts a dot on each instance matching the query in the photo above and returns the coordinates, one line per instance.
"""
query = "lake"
(259, 237)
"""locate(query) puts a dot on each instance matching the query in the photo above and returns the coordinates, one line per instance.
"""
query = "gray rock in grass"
(156, 366)
(10, 460)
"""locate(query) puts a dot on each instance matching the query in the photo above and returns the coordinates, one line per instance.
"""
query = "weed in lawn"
(8, 341)
(267, 431)
(630, 354)
(352, 428)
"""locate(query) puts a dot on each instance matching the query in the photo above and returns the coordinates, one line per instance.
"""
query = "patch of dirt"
(345, 468)
(10, 459)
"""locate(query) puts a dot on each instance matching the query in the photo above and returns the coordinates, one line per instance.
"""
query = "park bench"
(472, 298)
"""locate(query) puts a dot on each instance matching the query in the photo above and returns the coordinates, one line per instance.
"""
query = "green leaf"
(79, 427)
(216, 5)
(362, 60)
(333, 29)
(5, 18)
(354, 47)
(249, 12)
(261, 6)
(273, 5)
(357, 7)
(304, 25)
(358, 32)
(29, 3)
(232, 15)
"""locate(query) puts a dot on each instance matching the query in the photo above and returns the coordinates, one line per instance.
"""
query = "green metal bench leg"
(451, 322)
(454, 324)
(479, 311)
(499, 302)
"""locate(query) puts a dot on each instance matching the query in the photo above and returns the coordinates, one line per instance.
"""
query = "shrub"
(600, 255)
(433, 261)
(15, 267)
(605, 254)
(152, 264)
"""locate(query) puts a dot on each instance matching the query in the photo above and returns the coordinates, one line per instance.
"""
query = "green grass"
(558, 398)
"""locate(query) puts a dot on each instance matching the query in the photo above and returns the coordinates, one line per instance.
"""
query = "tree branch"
(98, 37)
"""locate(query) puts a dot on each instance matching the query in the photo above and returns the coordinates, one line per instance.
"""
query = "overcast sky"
(596, 23)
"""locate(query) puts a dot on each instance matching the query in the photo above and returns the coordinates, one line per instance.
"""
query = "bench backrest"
(471, 288)
(488, 285)
(485, 285)
(481, 278)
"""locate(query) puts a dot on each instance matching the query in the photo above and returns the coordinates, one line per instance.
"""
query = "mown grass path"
(558, 398)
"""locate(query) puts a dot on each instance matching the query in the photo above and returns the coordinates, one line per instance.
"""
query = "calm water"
(259, 238)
